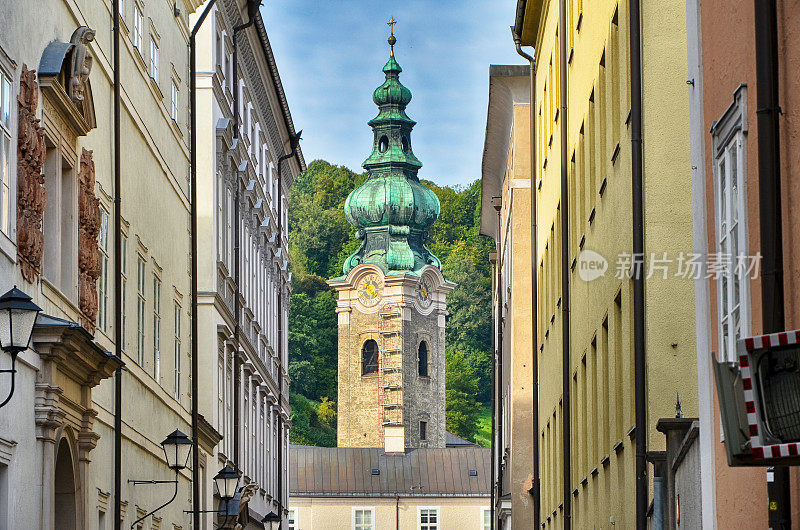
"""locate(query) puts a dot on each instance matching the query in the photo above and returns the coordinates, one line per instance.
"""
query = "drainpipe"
(639, 353)
(294, 143)
(566, 360)
(534, 290)
(493, 444)
(252, 10)
(193, 241)
(769, 202)
(117, 278)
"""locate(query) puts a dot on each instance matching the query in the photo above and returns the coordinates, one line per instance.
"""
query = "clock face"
(370, 290)
(424, 292)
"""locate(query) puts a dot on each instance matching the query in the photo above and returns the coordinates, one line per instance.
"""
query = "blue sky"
(330, 54)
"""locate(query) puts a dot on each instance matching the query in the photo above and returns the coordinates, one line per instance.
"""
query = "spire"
(392, 210)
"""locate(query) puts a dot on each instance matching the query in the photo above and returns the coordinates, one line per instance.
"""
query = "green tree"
(462, 410)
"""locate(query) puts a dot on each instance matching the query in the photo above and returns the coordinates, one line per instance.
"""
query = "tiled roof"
(370, 472)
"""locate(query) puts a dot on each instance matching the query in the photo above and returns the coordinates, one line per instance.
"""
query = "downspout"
(193, 241)
(499, 448)
(769, 202)
(637, 192)
(252, 9)
(117, 277)
(493, 443)
(294, 142)
(534, 293)
(566, 360)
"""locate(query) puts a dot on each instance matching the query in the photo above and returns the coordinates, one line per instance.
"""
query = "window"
(369, 358)
(140, 310)
(154, 59)
(429, 519)
(487, 519)
(124, 296)
(5, 153)
(292, 520)
(173, 113)
(177, 351)
(60, 221)
(363, 519)
(730, 223)
(156, 328)
(422, 357)
(423, 430)
(102, 281)
(138, 28)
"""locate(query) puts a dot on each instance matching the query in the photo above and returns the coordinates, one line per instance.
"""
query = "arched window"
(369, 358)
(422, 358)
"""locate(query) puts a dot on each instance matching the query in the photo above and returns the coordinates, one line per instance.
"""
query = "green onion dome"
(392, 209)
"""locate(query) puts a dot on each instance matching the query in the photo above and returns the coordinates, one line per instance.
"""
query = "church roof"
(451, 440)
(371, 472)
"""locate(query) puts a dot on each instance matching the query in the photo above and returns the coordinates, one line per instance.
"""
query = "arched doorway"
(65, 510)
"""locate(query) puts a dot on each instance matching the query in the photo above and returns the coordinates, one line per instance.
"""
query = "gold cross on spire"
(392, 39)
(391, 24)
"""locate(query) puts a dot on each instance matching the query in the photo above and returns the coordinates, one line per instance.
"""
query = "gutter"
(770, 214)
(534, 491)
(195, 331)
(117, 274)
(566, 414)
(637, 192)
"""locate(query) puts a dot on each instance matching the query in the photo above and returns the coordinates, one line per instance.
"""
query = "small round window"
(405, 144)
(383, 144)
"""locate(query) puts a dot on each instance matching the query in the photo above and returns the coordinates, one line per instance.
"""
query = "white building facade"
(244, 199)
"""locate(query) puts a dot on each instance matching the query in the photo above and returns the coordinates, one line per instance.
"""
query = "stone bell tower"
(392, 297)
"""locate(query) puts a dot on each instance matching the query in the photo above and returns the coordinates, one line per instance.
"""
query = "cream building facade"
(246, 368)
(56, 244)
(506, 217)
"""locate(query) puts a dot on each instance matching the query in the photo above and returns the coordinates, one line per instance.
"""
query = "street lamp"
(17, 318)
(177, 448)
(226, 480)
(273, 519)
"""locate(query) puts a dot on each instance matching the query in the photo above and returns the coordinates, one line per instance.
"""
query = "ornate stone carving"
(81, 63)
(31, 193)
(88, 250)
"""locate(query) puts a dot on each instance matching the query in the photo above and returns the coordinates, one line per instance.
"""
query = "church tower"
(392, 297)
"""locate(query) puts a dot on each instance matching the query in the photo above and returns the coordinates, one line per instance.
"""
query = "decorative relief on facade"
(88, 231)
(31, 193)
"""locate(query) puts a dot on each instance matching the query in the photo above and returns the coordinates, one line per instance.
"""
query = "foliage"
(307, 427)
(320, 239)
(461, 388)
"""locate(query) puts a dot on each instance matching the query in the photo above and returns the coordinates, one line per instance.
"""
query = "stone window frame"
(427, 374)
(102, 281)
(374, 372)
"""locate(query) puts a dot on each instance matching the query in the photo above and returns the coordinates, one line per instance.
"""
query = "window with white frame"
(141, 267)
(429, 519)
(176, 92)
(487, 519)
(219, 57)
(102, 280)
(5, 152)
(156, 328)
(176, 352)
(138, 27)
(154, 59)
(292, 520)
(123, 301)
(363, 518)
(733, 265)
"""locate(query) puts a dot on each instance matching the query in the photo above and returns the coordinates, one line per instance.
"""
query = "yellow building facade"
(600, 491)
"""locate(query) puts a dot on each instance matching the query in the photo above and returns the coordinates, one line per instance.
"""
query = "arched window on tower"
(369, 358)
(422, 358)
